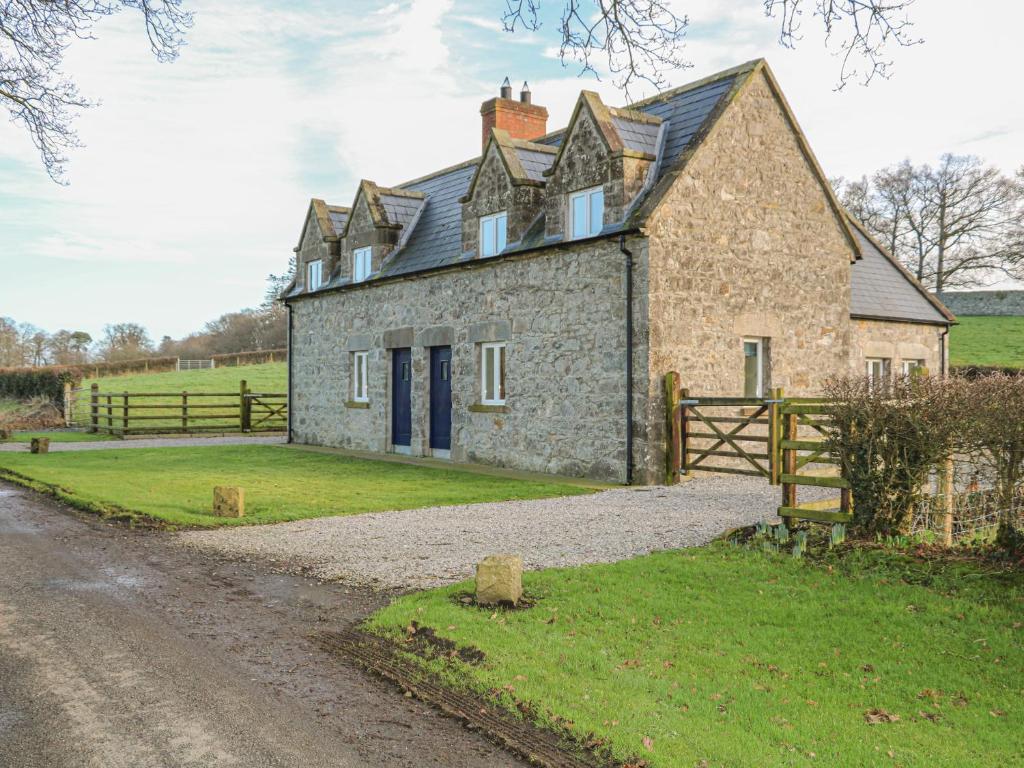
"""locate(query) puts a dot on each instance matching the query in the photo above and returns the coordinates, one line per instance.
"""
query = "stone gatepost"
(228, 501)
(499, 580)
(40, 445)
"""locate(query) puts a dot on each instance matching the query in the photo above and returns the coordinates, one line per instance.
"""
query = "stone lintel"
(399, 337)
(496, 330)
(359, 342)
(436, 336)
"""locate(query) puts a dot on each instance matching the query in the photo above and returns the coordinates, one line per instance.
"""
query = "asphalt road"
(120, 649)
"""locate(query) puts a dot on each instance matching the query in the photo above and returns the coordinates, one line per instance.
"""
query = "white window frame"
(500, 220)
(496, 375)
(909, 366)
(362, 263)
(312, 285)
(759, 392)
(868, 364)
(360, 377)
(589, 230)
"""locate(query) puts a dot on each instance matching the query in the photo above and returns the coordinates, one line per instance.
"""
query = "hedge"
(25, 383)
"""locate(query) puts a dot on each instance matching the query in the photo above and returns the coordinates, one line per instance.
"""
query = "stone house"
(520, 309)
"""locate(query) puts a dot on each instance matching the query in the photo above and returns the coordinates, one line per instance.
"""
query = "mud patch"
(425, 642)
(544, 748)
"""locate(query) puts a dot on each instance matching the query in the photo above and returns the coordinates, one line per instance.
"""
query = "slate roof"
(339, 217)
(881, 289)
(399, 209)
(535, 163)
(638, 136)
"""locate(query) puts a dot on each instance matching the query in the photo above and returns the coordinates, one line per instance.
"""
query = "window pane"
(487, 237)
(501, 373)
(751, 369)
(579, 216)
(488, 373)
(596, 211)
(500, 225)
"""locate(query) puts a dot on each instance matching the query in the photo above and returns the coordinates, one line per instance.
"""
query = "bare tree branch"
(34, 35)
(860, 32)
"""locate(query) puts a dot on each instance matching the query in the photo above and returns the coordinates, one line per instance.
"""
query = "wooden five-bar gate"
(779, 439)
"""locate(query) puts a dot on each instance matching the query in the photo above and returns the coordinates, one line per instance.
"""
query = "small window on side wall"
(360, 393)
(314, 275)
(493, 234)
(911, 367)
(586, 211)
(754, 367)
(361, 259)
(492, 373)
(879, 369)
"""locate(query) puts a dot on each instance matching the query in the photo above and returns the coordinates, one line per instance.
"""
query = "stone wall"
(310, 249)
(985, 302)
(494, 192)
(897, 342)
(745, 244)
(562, 313)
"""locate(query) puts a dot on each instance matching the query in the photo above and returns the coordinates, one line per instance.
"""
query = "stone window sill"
(356, 404)
(481, 408)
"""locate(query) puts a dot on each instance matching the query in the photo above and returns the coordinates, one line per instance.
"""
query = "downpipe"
(289, 353)
(629, 358)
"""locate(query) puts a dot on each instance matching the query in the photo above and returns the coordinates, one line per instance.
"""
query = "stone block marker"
(499, 579)
(228, 501)
(5, 434)
(40, 445)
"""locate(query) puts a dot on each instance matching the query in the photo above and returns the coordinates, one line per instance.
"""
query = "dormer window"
(361, 258)
(314, 274)
(493, 234)
(586, 208)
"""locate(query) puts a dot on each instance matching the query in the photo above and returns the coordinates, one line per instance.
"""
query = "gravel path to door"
(155, 442)
(423, 548)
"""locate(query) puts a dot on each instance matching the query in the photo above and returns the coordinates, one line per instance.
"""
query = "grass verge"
(987, 341)
(175, 485)
(727, 657)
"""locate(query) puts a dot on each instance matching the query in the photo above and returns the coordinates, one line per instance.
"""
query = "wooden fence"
(151, 413)
(775, 438)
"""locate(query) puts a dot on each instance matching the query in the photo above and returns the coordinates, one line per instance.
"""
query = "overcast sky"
(196, 175)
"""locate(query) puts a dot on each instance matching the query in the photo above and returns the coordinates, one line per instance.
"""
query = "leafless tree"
(642, 40)
(34, 35)
(860, 32)
(957, 224)
(124, 341)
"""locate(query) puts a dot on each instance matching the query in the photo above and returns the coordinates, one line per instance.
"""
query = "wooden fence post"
(184, 412)
(947, 502)
(673, 428)
(789, 432)
(684, 428)
(244, 407)
(124, 415)
(68, 404)
(774, 426)
(94, 408)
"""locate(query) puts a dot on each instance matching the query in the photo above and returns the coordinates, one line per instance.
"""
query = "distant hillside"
(997, 341)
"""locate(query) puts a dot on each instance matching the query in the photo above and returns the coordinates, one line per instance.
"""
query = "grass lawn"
(987, 341)
(175, 485)
(267, 378)
(736, 658)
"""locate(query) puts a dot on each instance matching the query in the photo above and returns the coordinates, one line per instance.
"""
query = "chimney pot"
(524, 95)
(506, 89)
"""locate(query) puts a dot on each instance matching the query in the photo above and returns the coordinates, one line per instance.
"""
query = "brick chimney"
(522, 119)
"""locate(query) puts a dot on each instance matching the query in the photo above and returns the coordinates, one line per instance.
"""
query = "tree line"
(255, 329)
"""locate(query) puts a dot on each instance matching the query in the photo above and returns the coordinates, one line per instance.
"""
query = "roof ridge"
(533, 146)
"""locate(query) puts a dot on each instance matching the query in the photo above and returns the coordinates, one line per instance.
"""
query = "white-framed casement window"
(493, 234)
(753, 367)
(360, 393)
(586, 212)
(314, 275)
(910, 367)
(361, 260)
(492, 373)
(878, 369)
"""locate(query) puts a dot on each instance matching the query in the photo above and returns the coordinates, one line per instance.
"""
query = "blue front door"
(441, 398)
(401, 397)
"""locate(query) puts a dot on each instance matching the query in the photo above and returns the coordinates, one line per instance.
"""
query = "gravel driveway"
(417, 549)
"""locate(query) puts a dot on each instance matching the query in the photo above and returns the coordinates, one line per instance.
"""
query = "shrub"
(25, 383)
(888, 439)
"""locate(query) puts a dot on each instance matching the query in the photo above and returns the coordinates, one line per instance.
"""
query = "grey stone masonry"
(561, 313)
(985, 302)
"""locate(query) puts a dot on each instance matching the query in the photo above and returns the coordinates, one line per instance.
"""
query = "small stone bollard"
(499, 579)
(5, 434)
(40, 445)
(228, 501)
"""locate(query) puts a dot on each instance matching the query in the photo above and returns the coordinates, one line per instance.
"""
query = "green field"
(266, 378)
(175, 485)
(995, 341)
(723, 656)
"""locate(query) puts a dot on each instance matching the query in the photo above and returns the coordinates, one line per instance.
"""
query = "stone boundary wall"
(1004, 303)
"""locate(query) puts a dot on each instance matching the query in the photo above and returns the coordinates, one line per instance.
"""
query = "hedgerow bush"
(25, 383)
